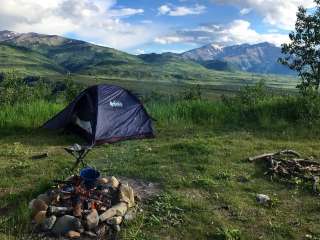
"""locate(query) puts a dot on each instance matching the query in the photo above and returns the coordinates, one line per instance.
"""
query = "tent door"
(84, 114)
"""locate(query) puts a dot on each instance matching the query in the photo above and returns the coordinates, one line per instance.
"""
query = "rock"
(126, 195)
(130, 215)
(53, 210)
(90, 234)
(55, 198)
(101, 231)
(77, 210)
(38, 205)
(105, 192)
(73, 234)
(103, 209)
(44, 197)
(48, 223)
(65, 224)
(115, 220)
(92, 219)
(121, 209)
(117, 228)
(114, 182)
(40, 217)
(263, 199)
(103, 181)
(107, 214)
(118, 210)
(30, 206)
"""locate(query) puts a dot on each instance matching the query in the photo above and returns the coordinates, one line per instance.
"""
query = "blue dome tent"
(104, 114)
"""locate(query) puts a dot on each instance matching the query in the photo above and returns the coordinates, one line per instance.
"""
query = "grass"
(27, 115)
(198, 157)
(215, 81)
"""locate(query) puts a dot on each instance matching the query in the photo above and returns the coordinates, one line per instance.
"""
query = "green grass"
(27, 115)
(198, 157)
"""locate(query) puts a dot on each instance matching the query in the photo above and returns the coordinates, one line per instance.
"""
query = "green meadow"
(199, 157)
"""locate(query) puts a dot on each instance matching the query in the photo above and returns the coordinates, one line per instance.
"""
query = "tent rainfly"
(104, 114)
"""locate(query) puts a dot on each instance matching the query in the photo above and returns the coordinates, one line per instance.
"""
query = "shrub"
(14, 89)
(229, 234)
(72, 89)
(192, 93)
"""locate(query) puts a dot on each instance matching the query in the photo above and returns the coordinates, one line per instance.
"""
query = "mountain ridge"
(83, 58)
(77, 56)
(258, 58)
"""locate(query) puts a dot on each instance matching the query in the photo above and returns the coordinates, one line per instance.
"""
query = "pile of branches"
(289, 164)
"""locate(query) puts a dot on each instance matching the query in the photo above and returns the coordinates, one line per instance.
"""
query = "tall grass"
(27, 115)
(253, 107)
(272, 113)
(202, 112)
(269, 112)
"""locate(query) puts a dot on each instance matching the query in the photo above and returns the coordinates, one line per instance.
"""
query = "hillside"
(84, 58)
(73, 55)
(41, 54)
(27, 61)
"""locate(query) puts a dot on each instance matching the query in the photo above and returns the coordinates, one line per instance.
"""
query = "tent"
(104, 114)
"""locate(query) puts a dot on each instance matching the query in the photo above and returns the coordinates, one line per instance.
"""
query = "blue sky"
(143, 26)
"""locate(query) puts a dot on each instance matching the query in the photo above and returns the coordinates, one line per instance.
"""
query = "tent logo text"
(116, 104)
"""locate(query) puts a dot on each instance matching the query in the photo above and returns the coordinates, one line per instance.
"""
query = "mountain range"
(33, 53)
(257, 58)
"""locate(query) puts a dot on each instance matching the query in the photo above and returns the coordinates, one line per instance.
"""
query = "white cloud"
(180, 10)
(279, 13)
(237, 32)
(99, 21)
(170, 39)
(125, 12)
(140, 51)
(164, 9)
(245, 11)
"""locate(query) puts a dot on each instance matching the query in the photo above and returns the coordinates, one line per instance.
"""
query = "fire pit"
(85, 206)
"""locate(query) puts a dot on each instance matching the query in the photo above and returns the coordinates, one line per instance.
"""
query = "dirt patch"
(194, 194)
(143, 189)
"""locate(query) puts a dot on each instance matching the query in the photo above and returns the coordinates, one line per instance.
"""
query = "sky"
(144, 26)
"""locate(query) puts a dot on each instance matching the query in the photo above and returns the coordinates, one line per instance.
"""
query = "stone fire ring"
(72, 211)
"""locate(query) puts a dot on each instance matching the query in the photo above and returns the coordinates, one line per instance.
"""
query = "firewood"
(289, 164)
(282, 152)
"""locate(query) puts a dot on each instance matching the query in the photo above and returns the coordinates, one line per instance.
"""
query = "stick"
(282, 152)
(265, 155)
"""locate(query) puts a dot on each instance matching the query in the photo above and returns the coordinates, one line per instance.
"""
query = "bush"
(192, 93)
(72, 89)
(15, 90)
(308, 106)
(261, 107)
(252, 107)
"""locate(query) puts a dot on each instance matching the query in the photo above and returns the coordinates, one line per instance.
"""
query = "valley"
(53, 57)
